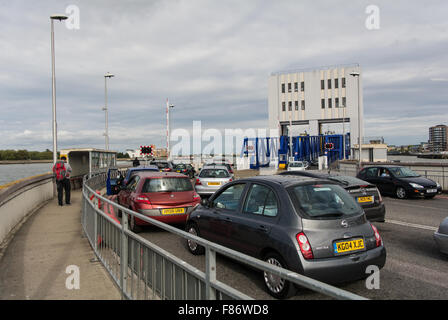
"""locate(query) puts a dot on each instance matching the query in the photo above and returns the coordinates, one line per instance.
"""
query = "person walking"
(62, 172)
(136, 162)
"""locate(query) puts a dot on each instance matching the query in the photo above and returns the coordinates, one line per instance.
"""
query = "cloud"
(212, 59)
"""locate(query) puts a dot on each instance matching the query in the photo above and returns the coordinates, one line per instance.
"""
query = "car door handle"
(263, 228)
(228, 219)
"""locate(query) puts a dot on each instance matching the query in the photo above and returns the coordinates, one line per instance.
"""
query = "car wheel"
(193, 246)
(400, 192)
(133, 225)
(277, 287)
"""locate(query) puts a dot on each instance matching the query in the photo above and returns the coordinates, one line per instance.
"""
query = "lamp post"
(59, 17)
(357, 74)
(106, 134)
(168, 107)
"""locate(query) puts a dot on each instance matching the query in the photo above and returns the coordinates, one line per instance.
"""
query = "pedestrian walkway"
(35, 263)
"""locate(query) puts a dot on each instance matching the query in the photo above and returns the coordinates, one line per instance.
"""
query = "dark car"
(366, 194)
(307, 225)
(186, 169)
(163, 165)
(167, 197)
(400, 181)
(132, 171)
(441, 236)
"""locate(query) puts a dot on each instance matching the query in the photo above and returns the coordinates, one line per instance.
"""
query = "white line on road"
(413, 225)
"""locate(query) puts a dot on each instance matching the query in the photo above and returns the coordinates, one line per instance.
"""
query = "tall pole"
(359, 126)
(106, 115)
(105, 112)
(343, 133)
(53, 85)
(168, 106)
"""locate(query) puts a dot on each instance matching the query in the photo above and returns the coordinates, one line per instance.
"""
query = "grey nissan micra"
(307, 225)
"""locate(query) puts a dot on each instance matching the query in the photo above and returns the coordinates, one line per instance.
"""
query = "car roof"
(214, 166)
(384, 166)
(144, 168)
(287, 180)
(154, 174)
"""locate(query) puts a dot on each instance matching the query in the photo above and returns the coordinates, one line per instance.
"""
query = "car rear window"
(167, 185)
(323, 201)
(214, 173)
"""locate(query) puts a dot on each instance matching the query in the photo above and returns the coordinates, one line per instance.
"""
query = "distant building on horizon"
(438, 138)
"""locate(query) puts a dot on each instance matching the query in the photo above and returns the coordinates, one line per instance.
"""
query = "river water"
(13, 172)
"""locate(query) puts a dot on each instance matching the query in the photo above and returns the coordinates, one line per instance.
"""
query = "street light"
(106, 134)
(59, 17)
(357, 74)
(168, 107)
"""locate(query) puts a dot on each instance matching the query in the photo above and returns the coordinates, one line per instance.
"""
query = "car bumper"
(167, 218)
(345, 269)
(201, 190)
(376, 214)
(442, 241)
(423, 192)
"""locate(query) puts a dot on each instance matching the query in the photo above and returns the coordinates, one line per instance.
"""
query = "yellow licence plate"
(173, 211)
(214, 183)
(347, 246)
(365, 199)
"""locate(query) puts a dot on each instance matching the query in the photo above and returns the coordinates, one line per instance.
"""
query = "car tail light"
(185, 170)
(379, 194)
(142, 199)
(196, 196)
(377, 236)
(305, 246)
(230, 180)
(198, 182)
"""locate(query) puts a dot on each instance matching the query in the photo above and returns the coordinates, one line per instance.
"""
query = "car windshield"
(214, 173)
(167, 185)
(402, 172)
(162, 165)
(181, 166)
(323, 201)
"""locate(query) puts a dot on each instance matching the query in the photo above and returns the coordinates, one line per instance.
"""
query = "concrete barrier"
(20, 198)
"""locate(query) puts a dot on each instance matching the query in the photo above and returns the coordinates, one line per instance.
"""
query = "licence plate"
(431, 191)
(365, 199)
(214, 183)
(347, 246)
(173, 211)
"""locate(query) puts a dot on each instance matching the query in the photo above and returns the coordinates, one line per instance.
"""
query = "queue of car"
(315, 224)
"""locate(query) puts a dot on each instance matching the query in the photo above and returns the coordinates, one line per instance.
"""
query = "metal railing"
(143, 270)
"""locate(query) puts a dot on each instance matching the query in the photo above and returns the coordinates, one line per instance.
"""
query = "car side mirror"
(205, 202)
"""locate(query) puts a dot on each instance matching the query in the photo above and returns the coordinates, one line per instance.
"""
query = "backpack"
(60, 171)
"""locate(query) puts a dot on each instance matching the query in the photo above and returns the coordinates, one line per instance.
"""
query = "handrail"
(213, 287)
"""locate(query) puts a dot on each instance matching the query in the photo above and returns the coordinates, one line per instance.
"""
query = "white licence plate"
(431, 191)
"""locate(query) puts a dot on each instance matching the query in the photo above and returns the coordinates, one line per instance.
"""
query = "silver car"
(441, 236)
(211, 178)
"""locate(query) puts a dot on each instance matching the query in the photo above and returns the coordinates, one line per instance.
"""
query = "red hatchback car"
(165, 196)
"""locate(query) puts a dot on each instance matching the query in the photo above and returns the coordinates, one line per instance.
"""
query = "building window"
(322, 84)
(289, 87)
(283, 88)
(290, 106)
(296, 86)
(303, 104)
(344, 102)
(302, 86)
(322, 103)
(336, 83)
(343, 82)
(284, 106)
(297, 105)
(329, 103)
(336, 102)
(329, 83)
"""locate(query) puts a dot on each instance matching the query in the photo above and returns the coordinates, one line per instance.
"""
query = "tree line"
(36, 155)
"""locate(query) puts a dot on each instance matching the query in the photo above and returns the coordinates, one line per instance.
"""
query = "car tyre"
(192, 246)
(400, 192)
(133, 225)
(277, 287)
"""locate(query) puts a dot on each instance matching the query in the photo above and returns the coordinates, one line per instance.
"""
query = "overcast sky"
(212, 59)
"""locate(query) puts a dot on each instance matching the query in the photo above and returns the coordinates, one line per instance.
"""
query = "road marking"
(413, 225)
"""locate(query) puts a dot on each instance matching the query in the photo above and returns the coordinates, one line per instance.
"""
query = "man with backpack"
(62, 171)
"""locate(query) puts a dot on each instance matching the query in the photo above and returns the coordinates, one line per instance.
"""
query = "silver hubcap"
(401, 193)
(274, 282)
(192, 244)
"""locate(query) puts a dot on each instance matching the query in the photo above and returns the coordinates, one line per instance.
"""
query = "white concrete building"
(310, 98)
